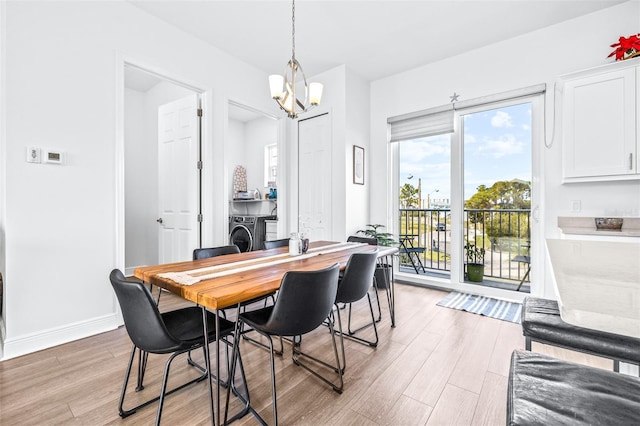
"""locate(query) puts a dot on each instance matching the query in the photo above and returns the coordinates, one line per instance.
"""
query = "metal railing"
(503, 234)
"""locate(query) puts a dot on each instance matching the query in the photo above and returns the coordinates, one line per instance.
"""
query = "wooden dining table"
(226, 281)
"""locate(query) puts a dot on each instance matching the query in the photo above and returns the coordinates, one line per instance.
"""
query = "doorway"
(253, 142)
(144, 93)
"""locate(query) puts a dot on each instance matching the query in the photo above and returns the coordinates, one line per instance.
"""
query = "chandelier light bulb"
(276, 86)
(315, 93)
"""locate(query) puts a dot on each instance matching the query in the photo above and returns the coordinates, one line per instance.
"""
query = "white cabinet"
(600, 123)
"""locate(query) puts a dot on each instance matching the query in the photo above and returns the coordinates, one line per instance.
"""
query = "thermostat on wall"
(53, 157)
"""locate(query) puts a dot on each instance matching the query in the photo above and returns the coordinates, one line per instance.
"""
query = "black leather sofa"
(546, 391)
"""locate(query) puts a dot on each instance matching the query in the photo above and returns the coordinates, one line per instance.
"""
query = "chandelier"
(287, 88)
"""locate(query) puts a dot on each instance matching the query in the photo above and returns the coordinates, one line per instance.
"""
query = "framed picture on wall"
(358, 165)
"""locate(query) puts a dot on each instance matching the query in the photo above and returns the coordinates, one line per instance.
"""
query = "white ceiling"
(373, 38)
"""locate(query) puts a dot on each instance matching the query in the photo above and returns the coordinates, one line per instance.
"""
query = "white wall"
(61, 224)
(235, 141)
(3, 176)
(258, 134)
(137, 176)
(357, 133)
(537, 57)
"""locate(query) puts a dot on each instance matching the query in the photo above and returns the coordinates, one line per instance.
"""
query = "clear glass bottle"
(295, 245)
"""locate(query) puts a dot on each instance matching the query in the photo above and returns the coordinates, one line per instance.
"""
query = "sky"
(497, 146)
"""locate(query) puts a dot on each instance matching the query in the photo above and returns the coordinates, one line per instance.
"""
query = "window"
(270, 165)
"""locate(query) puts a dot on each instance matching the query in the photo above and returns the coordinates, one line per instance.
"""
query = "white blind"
(429, 122)
(440, 120)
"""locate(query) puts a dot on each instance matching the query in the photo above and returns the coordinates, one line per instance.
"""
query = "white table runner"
(196, 275)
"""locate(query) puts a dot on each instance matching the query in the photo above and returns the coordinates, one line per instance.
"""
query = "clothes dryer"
(248, 231)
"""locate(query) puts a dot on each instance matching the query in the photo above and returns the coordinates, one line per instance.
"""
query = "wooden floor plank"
(455, 407)
(474, 360)
(429, 382)
(491, 409)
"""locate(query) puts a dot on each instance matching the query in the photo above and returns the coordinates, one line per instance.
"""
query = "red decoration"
(626, 47)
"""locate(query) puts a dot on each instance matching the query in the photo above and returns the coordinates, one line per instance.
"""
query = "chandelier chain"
(293, 29)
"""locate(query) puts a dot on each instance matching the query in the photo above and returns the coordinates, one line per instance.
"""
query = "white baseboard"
(17, 346)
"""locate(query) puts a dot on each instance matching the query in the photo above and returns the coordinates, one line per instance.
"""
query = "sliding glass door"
(465, 198)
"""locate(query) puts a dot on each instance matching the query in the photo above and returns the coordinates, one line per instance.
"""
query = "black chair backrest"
(205, 253)
(304, 301)
(141, 316)
(276, 243)
(356, 239)
(357, 278)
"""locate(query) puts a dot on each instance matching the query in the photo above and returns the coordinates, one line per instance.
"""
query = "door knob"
(159, 220)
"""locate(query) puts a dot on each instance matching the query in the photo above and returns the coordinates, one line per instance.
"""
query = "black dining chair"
(284, 242)
(352, 287)
(381, 265)
(152, 332)
(305, 300)
(205, 253)
(365, 240)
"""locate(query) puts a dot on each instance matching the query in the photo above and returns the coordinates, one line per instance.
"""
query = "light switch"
(576, 206)
(33, 155)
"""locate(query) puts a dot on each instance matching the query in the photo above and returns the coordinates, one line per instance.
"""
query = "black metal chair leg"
(125, 413)
(273, 380)
(342, 366)
(372, 323)
(259, 343)
(375, 290)
(163, 389)
(297, 353)
(142, 367)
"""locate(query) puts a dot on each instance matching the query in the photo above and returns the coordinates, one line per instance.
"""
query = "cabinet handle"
(631, 161)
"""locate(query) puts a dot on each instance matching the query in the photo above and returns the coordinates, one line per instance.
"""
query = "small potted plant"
(475, 262)
(384, 238)
(383, 271)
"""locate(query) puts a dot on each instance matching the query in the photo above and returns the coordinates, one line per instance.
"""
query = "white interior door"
(315, 177)
(178, 155)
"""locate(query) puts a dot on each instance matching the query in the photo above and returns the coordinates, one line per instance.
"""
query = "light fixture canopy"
(286, 88)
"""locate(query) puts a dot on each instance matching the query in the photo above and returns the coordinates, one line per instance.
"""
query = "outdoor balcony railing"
(505, 236)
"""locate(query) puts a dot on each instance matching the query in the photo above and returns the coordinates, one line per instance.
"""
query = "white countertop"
(587, 226)
(598, 284)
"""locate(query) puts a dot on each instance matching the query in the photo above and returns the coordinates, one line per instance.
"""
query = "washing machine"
(248, 231)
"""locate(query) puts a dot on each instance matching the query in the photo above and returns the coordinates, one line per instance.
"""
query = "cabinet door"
(599, 125)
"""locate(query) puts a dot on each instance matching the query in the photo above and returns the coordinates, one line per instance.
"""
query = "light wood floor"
(439, 366)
